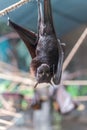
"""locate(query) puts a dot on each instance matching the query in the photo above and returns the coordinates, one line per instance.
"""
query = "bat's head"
(43, 73)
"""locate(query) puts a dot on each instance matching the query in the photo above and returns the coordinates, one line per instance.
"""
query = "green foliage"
(83, 90)
(24, 104)
(4, 86)
(77, 90)
(27, 92)
(73, 90)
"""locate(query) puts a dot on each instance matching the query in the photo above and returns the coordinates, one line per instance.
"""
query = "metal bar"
(74, 82)
(74, 49)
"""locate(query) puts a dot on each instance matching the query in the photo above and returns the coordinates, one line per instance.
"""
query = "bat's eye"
(40, 72)
(47, 73)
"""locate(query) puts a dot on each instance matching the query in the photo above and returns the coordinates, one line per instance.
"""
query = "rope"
(74, 50)
(74, 82)
(13, 7)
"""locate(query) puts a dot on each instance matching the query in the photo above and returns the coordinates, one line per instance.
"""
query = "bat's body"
(49, 54)
(45, 49)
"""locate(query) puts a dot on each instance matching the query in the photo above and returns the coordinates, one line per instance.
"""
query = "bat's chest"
(47, 45)
(48, 51)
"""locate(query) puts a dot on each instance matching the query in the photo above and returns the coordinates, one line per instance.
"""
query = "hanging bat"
(45, 49)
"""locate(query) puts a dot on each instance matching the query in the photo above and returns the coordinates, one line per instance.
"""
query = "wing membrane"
(27, 36)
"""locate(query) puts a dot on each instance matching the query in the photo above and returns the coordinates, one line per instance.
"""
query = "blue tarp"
(4, 50)
(67, 14)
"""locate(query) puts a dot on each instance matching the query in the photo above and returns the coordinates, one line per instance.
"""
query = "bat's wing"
(57, 76)
(27, 36)
(48, 20)
(49, 29)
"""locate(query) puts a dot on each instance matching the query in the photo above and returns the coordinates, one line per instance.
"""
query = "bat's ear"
(27, 36)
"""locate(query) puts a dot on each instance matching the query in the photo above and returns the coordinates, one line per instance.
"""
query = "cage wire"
(78, 62)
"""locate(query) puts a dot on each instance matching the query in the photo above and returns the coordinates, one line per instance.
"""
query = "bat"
(46, 50)
(47, 53)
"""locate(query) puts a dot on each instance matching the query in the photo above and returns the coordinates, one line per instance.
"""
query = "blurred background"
(20, 105)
